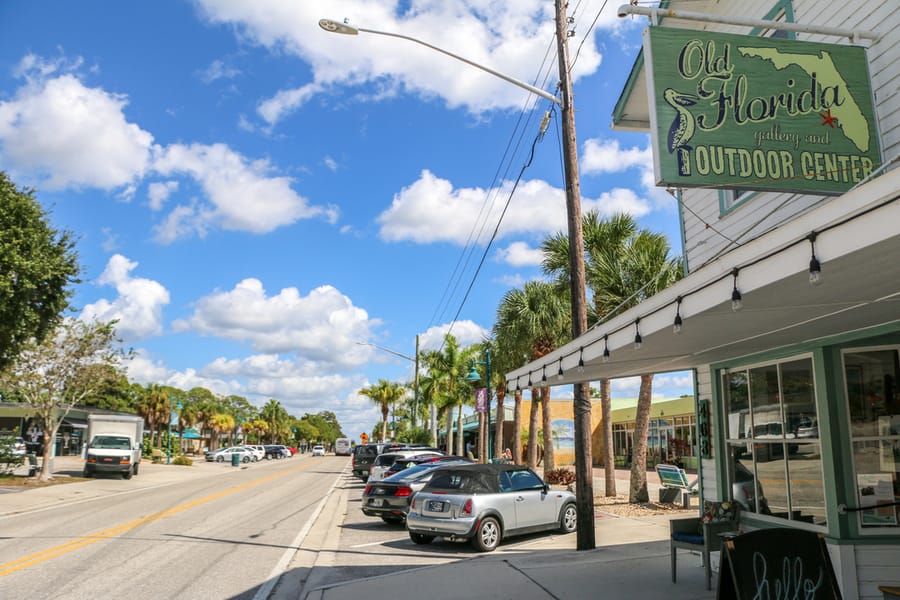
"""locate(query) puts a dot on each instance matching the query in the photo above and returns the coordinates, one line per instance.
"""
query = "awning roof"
(858, 244)
(75, 422)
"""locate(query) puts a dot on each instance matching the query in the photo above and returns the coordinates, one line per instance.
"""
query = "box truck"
(114, 444)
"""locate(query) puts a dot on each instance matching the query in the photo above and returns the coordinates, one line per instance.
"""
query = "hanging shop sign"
(745, 112)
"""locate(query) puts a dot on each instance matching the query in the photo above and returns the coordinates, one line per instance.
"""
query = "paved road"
(221, 532)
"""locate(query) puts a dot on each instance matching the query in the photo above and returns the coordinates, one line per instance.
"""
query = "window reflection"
(770, 409)
(873, 398)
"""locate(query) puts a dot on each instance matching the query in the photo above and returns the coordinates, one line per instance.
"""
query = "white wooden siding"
(876, 565)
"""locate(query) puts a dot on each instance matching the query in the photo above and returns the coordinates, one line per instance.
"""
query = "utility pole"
(584, 489)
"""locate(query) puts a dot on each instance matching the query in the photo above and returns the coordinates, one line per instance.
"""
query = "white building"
(801, 384)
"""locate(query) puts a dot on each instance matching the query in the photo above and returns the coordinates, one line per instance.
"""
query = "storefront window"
(873, 398)
(772, 435)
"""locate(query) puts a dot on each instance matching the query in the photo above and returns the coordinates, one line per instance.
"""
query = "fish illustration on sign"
(682, 128)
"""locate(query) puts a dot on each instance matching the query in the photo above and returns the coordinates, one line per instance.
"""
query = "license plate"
(435, 506)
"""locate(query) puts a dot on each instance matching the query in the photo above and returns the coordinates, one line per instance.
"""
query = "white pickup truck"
(114, 444)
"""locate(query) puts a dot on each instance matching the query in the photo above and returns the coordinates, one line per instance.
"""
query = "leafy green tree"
(59, 372)
(278, 420)
(384, 394)
(601, 238)
(536, 319)
(643, 269)
(38, 264)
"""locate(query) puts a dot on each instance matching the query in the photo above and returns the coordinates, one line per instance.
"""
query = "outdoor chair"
(703, 534)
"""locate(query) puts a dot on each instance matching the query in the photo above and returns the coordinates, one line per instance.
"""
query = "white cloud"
(510, 37)
(322, 326)
(243, 195)
(432, 210)
(66, 134)
(331, 164)
(285, 101)
(465, 332)
(606, 156)
(139, 305)
(158, 193)
(520, 254)
(218, 69)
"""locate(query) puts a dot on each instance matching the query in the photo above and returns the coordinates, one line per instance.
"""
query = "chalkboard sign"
(770, 564)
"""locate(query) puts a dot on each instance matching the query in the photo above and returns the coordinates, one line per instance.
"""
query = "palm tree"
(535, 320)
(384, 394)
(277, 419)
(220, 423)
(600, 237)
(642, 268)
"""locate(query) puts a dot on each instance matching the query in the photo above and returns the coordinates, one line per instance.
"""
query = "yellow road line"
(117, 530)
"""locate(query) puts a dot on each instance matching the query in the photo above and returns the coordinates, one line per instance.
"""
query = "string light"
(737, 302)
(606, 348)
(529, 380)
(815, 267)
(559, 374)
(544, 375)
(676, 327)
(638, 340)
(581, 360)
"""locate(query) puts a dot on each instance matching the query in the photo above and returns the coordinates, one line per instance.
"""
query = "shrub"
(182, 460)
(560, 476)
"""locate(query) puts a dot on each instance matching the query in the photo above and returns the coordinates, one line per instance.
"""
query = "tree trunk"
(459, 431)
(498, 426)
(449, 418)
(637, 491)
(533, 425)
(434, 423)
(609, 459)
(517, 428)
(549, 457)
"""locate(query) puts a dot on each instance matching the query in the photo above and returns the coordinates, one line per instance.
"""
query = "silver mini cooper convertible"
(487, 503)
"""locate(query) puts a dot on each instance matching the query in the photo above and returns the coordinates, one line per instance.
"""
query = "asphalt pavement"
(631, 559)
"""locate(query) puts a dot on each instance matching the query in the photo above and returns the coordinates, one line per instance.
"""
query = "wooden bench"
(157, 455)
(674, 482)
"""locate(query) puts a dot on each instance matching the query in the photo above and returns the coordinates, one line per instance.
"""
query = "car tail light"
(368, 489)
(467, 507)
(403, 491)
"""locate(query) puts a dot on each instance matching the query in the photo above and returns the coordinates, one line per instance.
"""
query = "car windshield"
(111, 442)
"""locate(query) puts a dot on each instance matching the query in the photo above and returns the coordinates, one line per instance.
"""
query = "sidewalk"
(631, 560)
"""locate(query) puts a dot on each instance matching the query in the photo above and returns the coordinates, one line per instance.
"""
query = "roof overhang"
(858, 245)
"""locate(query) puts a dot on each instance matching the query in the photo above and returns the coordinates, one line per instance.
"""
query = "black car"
(363, 457)
(390, 497)
(275, 451)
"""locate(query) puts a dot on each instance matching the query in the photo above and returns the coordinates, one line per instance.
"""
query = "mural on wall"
(563, 431)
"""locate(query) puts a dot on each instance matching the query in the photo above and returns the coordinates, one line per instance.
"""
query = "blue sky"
(253, 196)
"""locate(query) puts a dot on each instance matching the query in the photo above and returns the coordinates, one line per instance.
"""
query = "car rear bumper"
(457, 528)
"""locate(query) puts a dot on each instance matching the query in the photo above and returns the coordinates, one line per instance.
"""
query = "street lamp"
(474, 377)
(172, 414)
(582, 402)
(400, 354)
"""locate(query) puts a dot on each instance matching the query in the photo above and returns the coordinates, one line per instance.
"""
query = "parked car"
(274, 451)
(389, 498)
(224, 454)
(385, 461)
(406, 463)
(318, 451)
(259, 452)
(363, 456)
(486, 504)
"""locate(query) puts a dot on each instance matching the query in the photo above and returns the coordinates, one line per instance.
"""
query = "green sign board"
(734, 111)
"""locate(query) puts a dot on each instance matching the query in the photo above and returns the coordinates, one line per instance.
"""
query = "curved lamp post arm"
(336, 27)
